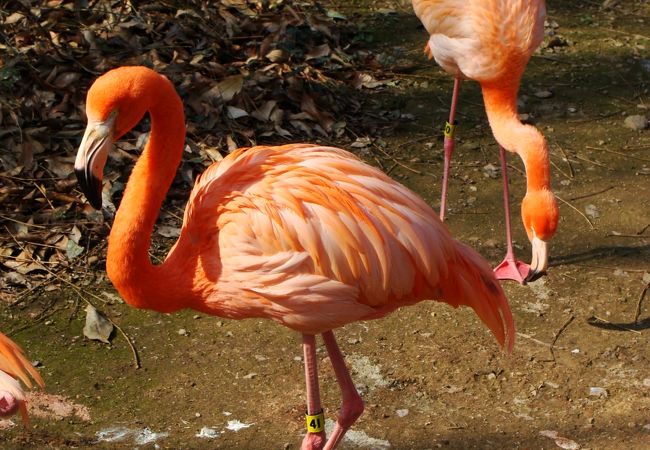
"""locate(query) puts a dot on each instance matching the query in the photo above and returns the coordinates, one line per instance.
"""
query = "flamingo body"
(14, 368)
(491, 42)
(305, 235)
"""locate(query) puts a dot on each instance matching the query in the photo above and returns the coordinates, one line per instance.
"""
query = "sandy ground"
(431, 376)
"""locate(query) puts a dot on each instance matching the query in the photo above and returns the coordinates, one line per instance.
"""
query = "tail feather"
(471, 282)
(14, 362)
(14, 366)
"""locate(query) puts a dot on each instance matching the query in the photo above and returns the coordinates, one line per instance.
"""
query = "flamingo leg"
(510, 268)
(449, 147)
(312, 441)
(351, 403)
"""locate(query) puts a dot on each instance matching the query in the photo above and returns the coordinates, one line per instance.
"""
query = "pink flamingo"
(14, 367)
(306, 235)
(491, 41)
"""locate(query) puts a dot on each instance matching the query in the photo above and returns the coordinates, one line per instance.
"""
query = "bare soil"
(431, 376)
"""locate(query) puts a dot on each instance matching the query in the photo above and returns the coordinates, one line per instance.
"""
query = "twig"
(558, 333)
(595, 163)
(634, 236)
(23, 223)
(638, 304)
(642, 230)
(136, 357)
(577, 210)
(617, 153)
(615, 325)
(610, 268)
(580, 197)
(568, 161)
(41, 189)
(560, 170)
(537, 341)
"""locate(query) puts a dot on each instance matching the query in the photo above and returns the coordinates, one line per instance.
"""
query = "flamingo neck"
(525, 140)
(139, 282)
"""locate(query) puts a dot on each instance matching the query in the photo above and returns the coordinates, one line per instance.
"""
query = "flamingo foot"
(512, 269)
(313, 441)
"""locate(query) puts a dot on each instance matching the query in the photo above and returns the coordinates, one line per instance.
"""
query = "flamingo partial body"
(491, 41)
(15, 368)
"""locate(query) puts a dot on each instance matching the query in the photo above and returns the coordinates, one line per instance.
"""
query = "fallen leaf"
(97, 327)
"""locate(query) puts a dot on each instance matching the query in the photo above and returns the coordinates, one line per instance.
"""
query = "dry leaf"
(98, 327)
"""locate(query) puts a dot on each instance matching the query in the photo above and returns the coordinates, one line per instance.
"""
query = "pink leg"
(510, 268)
(351, 403)
(312, 441)
(449, 147)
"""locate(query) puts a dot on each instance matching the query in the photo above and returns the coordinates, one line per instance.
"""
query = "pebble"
(636, 122)
(592, 211)
(598, 392)
(491, 171)
(183, 332)
(402, 412)
(543, 94)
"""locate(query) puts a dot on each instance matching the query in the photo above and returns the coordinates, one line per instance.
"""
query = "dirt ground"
(431, 376)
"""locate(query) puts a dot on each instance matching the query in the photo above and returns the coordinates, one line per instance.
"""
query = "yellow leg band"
(450, 129)
(315, 422)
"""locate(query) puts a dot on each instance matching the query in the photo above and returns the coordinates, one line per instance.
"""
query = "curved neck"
(138, 281)
(525, 140)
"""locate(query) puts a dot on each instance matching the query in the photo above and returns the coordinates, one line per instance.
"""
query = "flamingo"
(13, 367)
(491, 41)
(306, 235)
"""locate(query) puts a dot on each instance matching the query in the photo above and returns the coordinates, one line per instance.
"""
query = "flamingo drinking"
(491, 41)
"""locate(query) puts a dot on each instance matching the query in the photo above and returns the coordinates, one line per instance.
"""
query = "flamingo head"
(116, 102)
(540, 215)
(9, 405)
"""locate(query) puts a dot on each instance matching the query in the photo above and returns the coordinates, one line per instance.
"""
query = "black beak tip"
(91, 187)
(534, 275)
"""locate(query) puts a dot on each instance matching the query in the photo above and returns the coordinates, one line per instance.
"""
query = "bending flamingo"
(491, 41)
(305, 235)
(14, 367)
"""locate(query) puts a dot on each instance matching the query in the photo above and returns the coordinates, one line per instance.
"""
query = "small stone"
(402, 412)
(572, 110)
(598, 392)
(601, 142)
(197, 415)
(565, 182)
(491, 171)
(592, 211)
(183, 332)
(636, 122)
(353, 341)
(249, 376)
(543, 94)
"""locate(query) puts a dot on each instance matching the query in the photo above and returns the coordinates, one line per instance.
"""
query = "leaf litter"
(247, 71)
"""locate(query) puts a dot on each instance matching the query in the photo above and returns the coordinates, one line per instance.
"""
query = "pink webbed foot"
(313, 441)
(512, 269)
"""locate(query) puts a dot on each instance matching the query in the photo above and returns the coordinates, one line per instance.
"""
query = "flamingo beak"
(91, 159)
(539, 261)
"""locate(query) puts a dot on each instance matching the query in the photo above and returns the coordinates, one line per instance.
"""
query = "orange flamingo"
(306, 235)
(13, 367)
(491, 41)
